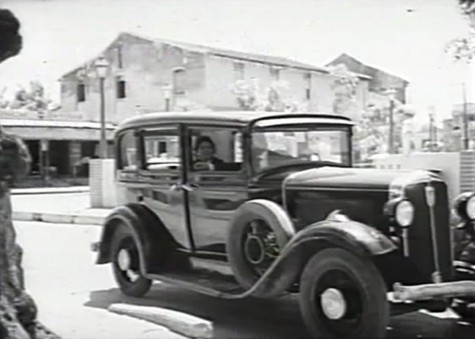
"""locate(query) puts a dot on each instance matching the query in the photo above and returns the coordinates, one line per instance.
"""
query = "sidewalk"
(56, 205)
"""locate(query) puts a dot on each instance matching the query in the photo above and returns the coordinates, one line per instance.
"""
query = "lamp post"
(167, 94)
(102, 66)
(391, 95)
(466, 131)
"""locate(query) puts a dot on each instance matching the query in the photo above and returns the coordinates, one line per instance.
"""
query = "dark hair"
(204, 138)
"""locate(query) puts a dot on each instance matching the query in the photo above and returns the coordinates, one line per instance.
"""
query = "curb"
(175, 321)
(49, 190)
(57, 218)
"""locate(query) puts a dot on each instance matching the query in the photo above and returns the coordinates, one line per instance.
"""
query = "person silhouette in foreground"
(18, 312)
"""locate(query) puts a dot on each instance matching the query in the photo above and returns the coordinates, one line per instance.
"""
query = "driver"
(205, 150)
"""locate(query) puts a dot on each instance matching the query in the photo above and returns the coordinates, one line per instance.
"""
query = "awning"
(30, 129)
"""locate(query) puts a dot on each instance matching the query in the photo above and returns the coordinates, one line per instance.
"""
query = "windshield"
(286, 146)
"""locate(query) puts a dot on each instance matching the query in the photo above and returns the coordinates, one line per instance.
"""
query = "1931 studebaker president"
(259, 204)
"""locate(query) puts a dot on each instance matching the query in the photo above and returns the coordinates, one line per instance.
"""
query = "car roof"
(238, 118)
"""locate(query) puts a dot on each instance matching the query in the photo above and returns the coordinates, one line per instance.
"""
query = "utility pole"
(391, 126)
(431, 131)
(466, 135)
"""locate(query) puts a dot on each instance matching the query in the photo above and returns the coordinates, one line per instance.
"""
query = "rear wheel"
(343, 295)
(126, 264)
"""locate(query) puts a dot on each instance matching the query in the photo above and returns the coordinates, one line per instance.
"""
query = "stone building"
(379, 80)
(147, 75)
(142, 70)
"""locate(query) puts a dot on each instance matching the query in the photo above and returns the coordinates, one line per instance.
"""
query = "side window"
(162, 150)
(215, 149)
(128, 151)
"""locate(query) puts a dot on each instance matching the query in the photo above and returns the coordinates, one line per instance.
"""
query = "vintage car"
(260, 204)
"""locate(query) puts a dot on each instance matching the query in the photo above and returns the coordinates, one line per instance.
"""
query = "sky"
(403, 37)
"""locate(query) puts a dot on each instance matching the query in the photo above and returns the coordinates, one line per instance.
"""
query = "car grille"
(421, 249)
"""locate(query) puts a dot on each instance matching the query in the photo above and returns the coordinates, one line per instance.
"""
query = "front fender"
(351, 235)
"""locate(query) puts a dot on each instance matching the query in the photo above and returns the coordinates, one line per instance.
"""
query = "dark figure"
(205, 150)
(18, 311)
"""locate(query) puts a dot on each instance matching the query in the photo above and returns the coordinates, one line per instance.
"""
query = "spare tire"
(259, 231)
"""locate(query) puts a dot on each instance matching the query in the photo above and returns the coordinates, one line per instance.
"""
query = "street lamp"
(167, 94)
(391, 93)
(102, 65)
(466, 130)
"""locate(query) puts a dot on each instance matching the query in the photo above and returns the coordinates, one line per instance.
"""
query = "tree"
(463, 48)
(276, 97)
(18, 312)
(344, 88)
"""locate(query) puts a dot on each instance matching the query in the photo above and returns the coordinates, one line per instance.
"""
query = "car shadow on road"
(275, 318)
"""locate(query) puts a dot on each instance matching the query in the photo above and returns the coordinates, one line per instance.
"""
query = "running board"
(211, 284)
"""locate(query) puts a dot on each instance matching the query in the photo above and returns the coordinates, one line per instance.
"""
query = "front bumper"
(455, 289)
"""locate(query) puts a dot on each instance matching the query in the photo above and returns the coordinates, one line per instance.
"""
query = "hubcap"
(254, 249)
(333, 303)
(124, 260)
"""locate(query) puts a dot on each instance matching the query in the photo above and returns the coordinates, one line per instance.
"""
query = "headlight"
(405, 213)
(464, 206)
(470, 208)
(401, 210)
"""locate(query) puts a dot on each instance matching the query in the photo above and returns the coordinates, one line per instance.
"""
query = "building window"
(120, 88)
(308, 85)
(308, 94)
(120, 64)
(238, 71)
(179, 81)
(81, 92)
(275, 74)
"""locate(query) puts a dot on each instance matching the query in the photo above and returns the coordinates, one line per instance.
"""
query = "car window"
(213, 149)
(128, 151)
(162, 150)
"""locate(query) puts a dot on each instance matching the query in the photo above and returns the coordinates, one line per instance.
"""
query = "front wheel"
(343, 295)
(464, 309)
(126, 264)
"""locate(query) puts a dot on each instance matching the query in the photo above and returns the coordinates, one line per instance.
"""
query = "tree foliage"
(463, 48)
(344, 89)
(276, 97)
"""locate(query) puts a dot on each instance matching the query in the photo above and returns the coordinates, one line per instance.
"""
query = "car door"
(214, 195)
(161, 175)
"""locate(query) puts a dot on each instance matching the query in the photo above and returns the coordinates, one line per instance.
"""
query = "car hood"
(355, 178)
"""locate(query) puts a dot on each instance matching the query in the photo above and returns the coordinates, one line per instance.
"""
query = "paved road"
(73, 296)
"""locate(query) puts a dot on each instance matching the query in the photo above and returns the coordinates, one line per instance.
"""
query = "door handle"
(183, 187)
(189, 187)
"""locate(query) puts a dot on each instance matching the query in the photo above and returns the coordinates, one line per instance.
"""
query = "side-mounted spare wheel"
(259, 231)
(126, 263)
(342, 295)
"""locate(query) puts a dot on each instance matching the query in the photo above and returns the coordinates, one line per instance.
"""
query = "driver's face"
(205, 151)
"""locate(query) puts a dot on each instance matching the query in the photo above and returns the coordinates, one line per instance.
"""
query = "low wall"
(457, 168)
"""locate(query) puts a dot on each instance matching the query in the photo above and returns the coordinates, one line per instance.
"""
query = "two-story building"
(143, 70)
(379, 80)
